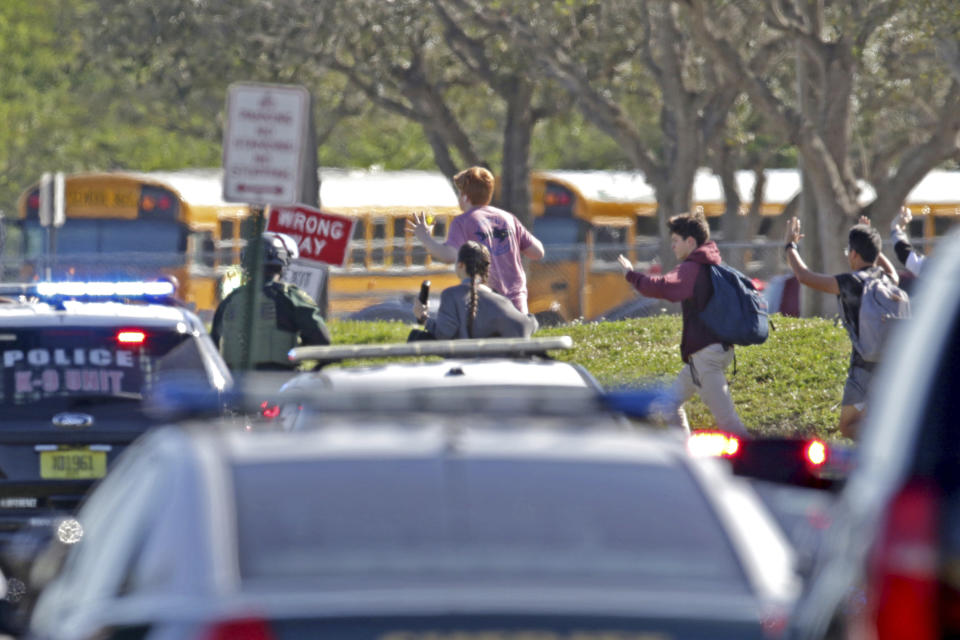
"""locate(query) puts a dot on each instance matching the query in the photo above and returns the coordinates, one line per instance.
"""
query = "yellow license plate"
(73, 464)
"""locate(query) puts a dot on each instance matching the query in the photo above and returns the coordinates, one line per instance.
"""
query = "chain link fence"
(577, 281)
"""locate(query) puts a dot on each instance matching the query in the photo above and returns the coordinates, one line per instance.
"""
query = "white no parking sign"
(263, 143)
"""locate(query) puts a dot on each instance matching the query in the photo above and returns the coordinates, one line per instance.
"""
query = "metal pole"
(253, 265)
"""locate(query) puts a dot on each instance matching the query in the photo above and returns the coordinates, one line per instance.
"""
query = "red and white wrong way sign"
(320, 236)
(263, 143)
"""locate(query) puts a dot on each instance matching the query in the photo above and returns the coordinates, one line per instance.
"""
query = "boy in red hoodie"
(705, 356)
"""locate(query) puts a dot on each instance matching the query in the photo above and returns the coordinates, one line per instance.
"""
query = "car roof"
(451, 372)
(426, 435)
(525, 440)
(92, 314)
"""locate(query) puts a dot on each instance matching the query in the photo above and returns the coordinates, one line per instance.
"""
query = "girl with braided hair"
(471, 309)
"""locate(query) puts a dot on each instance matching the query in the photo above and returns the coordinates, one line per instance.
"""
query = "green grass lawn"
(789, 385)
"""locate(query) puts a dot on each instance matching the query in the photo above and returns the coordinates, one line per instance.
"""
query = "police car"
(75, 361)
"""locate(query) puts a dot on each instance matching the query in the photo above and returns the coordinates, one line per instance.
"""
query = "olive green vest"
(272, 343)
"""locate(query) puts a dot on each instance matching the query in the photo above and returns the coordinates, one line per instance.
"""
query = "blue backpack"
(736, 312)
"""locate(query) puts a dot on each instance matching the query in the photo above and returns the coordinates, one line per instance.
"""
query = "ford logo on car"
(72, 420)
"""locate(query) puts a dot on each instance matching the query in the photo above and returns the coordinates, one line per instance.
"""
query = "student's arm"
(915, 262)
(819, 281)
(898, 236)
(512, 323)
(530, 246)
(534, 250)
(446, 325)
(888, 268)
(424, 233)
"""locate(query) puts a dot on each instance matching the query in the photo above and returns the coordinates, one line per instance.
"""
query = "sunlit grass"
(789, 385)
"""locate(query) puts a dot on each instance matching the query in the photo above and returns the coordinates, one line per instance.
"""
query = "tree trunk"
(515, 173)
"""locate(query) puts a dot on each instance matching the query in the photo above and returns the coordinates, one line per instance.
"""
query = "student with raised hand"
(471, 309)
(863, 252)
(500, 231)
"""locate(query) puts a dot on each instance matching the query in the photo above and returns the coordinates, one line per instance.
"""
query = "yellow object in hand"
(429, 219)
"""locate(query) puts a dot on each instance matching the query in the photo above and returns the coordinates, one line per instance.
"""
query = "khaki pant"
(709, 381)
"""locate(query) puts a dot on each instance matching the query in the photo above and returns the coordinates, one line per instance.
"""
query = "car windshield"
(93, 363)
(408, 521)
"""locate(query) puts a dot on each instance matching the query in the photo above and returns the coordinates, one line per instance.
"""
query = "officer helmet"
(278, 249)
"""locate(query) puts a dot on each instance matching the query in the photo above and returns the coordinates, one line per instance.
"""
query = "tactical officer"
(286, 316)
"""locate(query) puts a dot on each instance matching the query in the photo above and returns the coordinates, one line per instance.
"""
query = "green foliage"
(789, 385)
(573, 143)
(61, 113)
(377, 138)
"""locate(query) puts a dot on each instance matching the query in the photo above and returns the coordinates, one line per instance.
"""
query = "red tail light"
(902, 585)
(131, 337)
(815, 453)
(244, 629)
(269, 411)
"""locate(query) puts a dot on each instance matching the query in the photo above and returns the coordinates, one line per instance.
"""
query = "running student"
(705, 356)
(500, 231)
(866, 261)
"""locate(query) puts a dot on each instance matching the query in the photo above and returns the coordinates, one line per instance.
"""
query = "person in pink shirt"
(500, 231)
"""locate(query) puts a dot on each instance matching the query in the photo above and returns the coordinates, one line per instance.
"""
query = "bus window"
(98, 236)
(648, 226)
(203, 248)
(916, 228)
(942, 225)
(226, 229)
(560, 235)
(609, 242)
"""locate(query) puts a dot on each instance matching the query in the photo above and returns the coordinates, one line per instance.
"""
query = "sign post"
(51, 214)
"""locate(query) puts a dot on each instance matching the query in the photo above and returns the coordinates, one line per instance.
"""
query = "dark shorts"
(855, 388)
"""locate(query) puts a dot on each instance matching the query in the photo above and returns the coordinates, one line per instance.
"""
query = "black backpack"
(736, 312)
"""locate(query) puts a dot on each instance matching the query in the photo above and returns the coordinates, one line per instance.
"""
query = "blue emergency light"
(127, 289)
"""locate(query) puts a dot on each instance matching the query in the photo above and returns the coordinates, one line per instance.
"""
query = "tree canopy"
(857, 90)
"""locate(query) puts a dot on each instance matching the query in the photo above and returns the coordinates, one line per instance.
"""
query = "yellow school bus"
(131, 225)
(385, 261)
(586, 219)
(144, 224)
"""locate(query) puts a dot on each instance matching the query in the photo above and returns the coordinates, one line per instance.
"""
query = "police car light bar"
(80, 289)
(467, 348)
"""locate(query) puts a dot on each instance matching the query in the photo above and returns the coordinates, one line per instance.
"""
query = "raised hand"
(792, 234)
(419, 226)
(902, 219)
